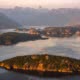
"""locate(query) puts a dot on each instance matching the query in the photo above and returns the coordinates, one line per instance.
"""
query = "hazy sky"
(43, 3)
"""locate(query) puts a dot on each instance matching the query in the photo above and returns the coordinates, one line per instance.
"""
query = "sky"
(43, 3)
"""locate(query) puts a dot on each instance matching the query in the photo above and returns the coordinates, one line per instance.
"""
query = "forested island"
(21, 35)
(11, 38)
(43, 65)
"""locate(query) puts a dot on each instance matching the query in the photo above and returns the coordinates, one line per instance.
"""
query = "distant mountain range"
(42, 16)
(6, 22)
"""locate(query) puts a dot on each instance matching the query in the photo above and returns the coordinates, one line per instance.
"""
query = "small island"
(43, 65)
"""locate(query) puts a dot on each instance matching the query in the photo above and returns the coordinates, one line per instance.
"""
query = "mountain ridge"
(7, 23)
(43, 16)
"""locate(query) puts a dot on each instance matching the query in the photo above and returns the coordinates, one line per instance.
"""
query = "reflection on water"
(16, 76)
(65, 47)
(2, 71)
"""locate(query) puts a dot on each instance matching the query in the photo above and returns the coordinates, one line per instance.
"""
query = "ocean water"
(6, 75)
(56, 46)
(6, 30)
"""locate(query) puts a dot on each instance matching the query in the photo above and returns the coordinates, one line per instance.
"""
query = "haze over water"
(56, 46)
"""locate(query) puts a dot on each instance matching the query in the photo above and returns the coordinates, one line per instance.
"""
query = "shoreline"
(44, 74)
(43, 65)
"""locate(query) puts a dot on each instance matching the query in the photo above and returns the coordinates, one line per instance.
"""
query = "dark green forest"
(13, 38)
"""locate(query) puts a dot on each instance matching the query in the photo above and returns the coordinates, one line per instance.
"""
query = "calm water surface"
(64, 47)
(6, 75)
